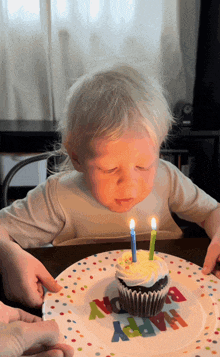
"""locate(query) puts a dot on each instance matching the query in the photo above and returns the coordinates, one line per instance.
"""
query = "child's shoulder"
(166, 166)
(68, 180)
(168, 170)
(173, 173)
(65, 177)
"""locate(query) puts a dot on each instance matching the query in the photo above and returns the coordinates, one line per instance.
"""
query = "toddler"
(113, 126)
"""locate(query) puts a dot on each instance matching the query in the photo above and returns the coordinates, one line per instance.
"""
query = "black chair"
(14, 170)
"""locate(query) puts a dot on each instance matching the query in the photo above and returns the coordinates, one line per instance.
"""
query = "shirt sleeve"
(37, 219)
(186, 199)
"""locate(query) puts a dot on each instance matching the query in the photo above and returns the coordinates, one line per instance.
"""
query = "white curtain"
(47, 44)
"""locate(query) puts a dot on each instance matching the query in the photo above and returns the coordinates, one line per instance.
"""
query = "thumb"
(211, 258)
(48, 281)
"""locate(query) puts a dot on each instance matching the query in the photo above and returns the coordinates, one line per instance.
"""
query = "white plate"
(87, 312)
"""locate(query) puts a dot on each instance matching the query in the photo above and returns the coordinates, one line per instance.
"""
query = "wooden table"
(57, 259)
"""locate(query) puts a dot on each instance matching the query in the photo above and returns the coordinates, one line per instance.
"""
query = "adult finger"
(26, 317)
(59, 350)
(32, 297)
(67, 350)
(29, 295)
(40, 289)
(48, 281)
(51, 353)
(212, 256)
(9, 314)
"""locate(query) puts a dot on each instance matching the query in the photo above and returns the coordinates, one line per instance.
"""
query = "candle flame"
(132, 224)
(153, 224)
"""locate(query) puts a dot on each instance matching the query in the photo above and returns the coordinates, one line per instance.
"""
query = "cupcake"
(143, 286)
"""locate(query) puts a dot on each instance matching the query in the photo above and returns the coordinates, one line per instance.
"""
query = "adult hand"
(24, 276)
(212, 258)
(23, 334)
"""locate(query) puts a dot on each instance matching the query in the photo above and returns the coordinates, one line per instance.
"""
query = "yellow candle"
(152, 238)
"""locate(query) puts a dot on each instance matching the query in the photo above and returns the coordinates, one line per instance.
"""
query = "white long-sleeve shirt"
(62, 210)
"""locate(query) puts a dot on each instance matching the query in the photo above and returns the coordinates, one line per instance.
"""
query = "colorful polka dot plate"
(89, 315)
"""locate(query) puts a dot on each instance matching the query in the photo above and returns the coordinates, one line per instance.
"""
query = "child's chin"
(119, 209)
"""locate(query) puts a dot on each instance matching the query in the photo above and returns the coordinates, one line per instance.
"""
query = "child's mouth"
(124, 200)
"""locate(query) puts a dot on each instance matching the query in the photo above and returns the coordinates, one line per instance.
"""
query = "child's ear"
(72, 155)
(75, 161)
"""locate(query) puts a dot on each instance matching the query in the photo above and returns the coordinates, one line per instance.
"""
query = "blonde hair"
(109, 102)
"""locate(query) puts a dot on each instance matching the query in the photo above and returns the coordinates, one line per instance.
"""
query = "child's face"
(121, 173)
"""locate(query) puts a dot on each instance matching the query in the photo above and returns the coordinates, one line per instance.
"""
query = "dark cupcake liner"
(142, 304)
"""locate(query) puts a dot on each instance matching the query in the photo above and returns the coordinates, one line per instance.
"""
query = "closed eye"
(115, 168)
(110, 171)
(143, 168)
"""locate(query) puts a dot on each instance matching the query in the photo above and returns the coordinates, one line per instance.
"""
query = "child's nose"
(128, 183)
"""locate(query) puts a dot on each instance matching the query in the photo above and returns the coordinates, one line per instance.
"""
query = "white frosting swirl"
(144, 272)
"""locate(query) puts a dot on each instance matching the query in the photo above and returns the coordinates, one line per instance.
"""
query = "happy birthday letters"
(101, 309)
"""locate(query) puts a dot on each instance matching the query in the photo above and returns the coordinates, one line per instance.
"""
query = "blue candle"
(133, 240)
